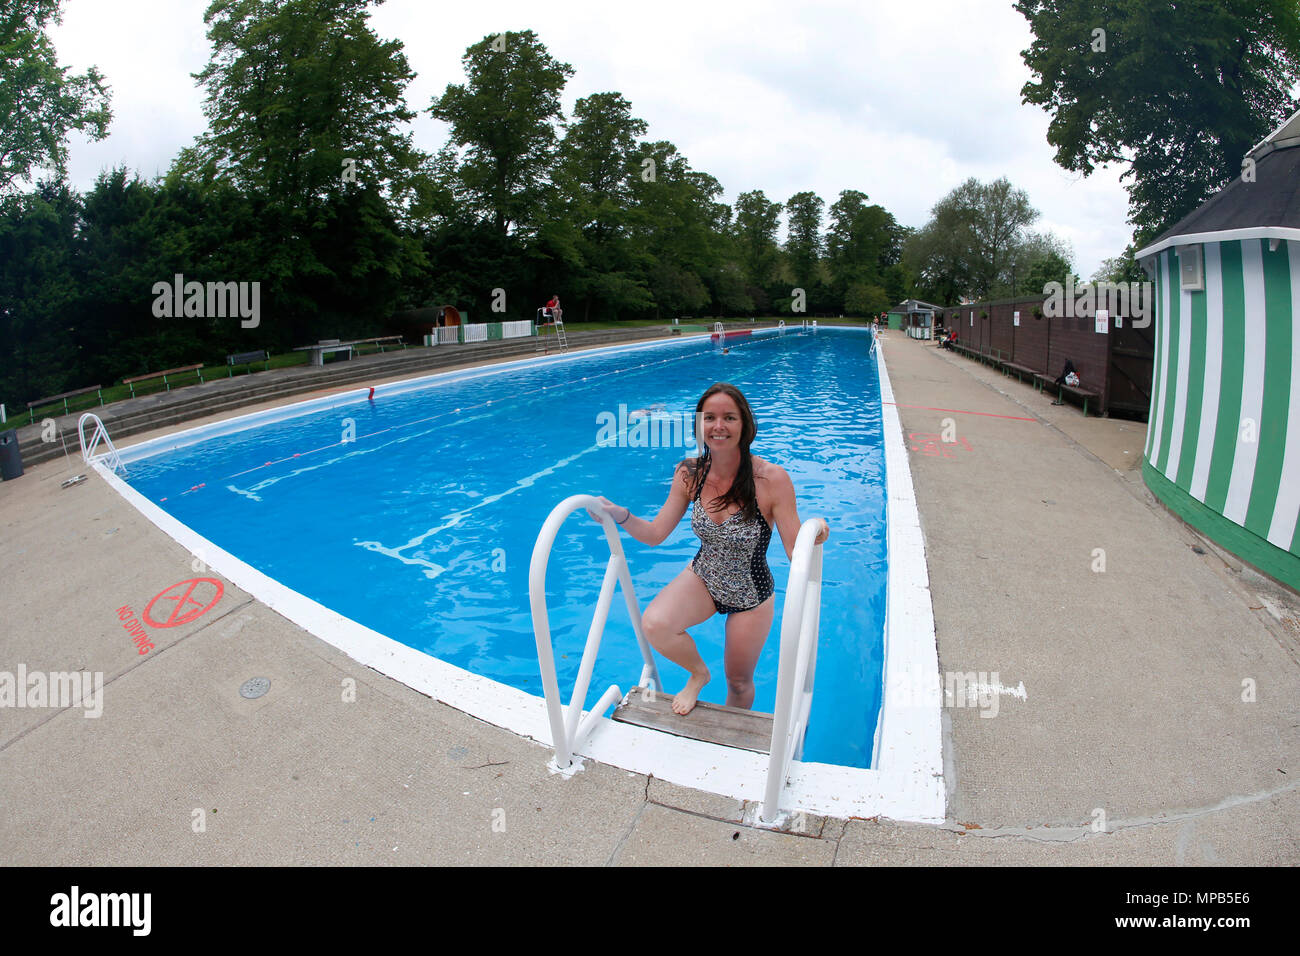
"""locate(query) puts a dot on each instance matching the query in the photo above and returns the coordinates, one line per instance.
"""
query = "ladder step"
(728, 726)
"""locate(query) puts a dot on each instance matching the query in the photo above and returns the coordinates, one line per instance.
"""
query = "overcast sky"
(901, 101)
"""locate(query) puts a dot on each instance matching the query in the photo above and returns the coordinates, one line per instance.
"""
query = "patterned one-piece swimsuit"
(732, 560)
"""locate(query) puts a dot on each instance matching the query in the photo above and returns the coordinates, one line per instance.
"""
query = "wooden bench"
(246, 358)
(130, 382)
(32, 406)
(1083, 394)
(1021, 371)
(379, 341)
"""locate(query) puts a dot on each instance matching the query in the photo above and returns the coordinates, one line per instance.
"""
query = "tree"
(938, 254)
(37, 289)
(803, 243)
(863, 244)
(1179, 89)
(40, 103)
(1036, 259)
(682, 229)
(504, 119)
(864, 298)
(755, 228)
(600, 161)
(970, 243)
(1121, 268)
(303, 100)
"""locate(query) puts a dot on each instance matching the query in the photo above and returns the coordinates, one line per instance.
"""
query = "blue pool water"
(421, 526)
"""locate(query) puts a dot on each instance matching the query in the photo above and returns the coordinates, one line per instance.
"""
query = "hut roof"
(916, 305)
(1267, 208)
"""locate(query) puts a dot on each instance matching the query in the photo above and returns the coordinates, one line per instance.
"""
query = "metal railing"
(111, 457)
(568, 728)
(797, 664)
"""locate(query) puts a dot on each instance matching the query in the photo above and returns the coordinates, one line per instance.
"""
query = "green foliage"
(863, 246)
(294, 88)
(302, 101)
(1121, 268)
(40, 103)
(1181, 91)
(37, 288)
(975, 243)
(865, 299)
(504, 120)
(754, 230)
(804, 244)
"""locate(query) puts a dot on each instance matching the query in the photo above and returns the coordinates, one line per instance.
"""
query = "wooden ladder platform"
(728, 726)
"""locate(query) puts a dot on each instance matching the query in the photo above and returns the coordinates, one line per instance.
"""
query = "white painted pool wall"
(906, 782)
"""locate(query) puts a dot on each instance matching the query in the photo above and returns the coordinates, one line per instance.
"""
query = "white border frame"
(907, 780)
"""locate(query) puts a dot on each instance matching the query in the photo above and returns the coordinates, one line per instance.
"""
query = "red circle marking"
(180, 593)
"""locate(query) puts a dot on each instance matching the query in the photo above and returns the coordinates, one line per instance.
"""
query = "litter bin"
(11, 460)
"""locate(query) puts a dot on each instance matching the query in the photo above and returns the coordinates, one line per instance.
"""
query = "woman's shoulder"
(769, 470)
(771, 482)
(690, 465)
(686, 471)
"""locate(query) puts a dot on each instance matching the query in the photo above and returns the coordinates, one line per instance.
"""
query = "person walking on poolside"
(736, 498)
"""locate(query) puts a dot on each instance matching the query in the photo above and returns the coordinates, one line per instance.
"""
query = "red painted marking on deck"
(958, 411)
(180, 593)
(932, 445)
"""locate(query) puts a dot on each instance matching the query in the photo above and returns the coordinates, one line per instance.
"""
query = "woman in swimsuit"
(736, 498)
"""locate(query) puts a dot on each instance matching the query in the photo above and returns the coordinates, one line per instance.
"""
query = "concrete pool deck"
(1130, 743)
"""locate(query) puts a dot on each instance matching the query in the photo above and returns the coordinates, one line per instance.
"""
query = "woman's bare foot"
(684, 702)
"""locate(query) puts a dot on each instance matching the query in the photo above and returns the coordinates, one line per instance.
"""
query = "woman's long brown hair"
(742, 490)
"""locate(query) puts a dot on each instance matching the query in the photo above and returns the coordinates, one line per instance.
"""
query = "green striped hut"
(1223, 437)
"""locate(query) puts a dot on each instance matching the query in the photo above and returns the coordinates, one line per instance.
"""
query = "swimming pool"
(414, 514)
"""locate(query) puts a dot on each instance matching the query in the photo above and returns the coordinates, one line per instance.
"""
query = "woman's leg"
(683, 603)
(747, 632)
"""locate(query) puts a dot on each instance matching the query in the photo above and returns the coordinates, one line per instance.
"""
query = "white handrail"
(568, 730)
(797, 665)
(99, 434)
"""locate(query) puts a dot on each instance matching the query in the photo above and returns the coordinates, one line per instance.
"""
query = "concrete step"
(148, 412)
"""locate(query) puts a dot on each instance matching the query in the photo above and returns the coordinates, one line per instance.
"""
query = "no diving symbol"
(181, 604)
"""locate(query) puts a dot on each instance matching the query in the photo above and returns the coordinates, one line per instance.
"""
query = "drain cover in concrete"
(254, 687)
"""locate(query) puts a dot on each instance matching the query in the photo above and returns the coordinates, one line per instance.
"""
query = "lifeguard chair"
(556, 321)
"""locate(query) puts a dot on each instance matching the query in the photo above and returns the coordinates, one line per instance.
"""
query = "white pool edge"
(907, 783)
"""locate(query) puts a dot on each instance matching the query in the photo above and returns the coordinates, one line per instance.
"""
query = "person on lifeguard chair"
(552, 310)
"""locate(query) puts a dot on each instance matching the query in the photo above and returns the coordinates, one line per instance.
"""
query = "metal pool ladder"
(566, 730)
(797, 665)
(110, 457)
